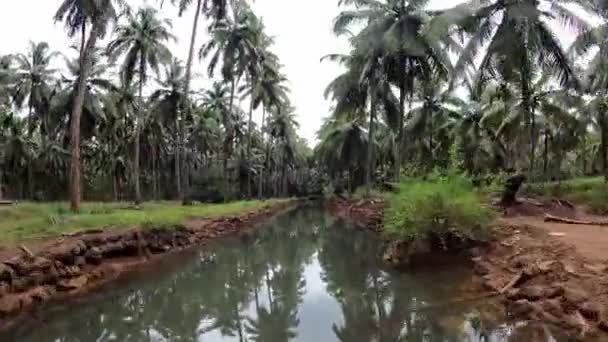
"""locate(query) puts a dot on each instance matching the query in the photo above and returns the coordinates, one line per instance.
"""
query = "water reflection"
(304, 277)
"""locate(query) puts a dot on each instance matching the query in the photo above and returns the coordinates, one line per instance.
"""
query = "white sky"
(302, 30)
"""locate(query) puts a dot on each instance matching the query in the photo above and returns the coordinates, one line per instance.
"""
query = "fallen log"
(555, 219)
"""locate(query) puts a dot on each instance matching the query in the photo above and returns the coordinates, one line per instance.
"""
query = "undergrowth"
(440, 206)
(589, 192)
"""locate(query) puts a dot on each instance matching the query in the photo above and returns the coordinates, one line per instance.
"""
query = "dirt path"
(589, 241)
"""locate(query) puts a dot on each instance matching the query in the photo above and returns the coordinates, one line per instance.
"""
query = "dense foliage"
(127, 117)
(487, 85)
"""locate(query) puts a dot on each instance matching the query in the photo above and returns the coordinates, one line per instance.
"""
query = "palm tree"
(217, 10)
(142, 42)
(167, 103)
(395, 26)
(31, 86)
(234, 43)
(596, 81)
(78, 15)
(513, 38)
(32, 79)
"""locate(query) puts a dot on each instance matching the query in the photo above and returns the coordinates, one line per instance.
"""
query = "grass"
(436, 207)
(590, 192)
(38, 220)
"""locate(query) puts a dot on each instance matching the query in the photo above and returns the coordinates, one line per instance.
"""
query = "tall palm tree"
(32, 87)
(33, 78)
(217, 10)
(167, 103)
(78, 16)
(142, 43)
(596, 82)
(396, 27)
(234, 43)
(512, 38)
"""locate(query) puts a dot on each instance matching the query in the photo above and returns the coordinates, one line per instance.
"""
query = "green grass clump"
(589, 192)
(437, 207)
(25, 221)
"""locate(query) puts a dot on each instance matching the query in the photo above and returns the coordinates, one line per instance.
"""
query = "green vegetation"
(438, 207)
(590, 192)
(121, 118)
(31, 220)
(525, 100)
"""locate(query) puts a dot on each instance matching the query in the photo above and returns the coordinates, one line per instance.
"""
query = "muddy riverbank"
(74, 265)
(536, 272)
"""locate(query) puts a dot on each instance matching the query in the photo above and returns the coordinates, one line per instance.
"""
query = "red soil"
(545, 272)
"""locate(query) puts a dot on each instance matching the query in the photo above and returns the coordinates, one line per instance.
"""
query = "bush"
(436, 207)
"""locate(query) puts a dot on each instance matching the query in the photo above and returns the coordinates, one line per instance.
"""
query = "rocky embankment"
(78, 263)
(538, 277)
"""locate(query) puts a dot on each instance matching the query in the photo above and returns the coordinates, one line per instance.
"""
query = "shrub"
(436, 207)
(589, 192)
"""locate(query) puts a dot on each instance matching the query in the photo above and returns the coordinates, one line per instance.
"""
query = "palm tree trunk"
(75, 191)
(154, 185)
(431, 153)
(604, 147)
(137, 141)
(249, 132)
(261, 178)
(1, 193)
(370, 143)
(400, 144)
(178, 167)
(114, 185)
(182, 128)
(546, 155)
(30, 171)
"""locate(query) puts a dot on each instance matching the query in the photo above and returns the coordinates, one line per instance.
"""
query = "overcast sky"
(302, 30)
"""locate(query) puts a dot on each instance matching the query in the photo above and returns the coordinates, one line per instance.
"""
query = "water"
(303, 277)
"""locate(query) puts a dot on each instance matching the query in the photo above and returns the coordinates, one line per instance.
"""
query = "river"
(303, 276)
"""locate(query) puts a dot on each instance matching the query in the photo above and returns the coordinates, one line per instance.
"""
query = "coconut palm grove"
(485, 87)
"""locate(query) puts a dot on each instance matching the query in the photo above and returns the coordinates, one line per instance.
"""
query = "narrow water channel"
(303, 276)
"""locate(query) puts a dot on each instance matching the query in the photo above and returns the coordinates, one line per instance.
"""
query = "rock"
(553, 307)
(4, 288)
(51, 276)
(9, 305)
(42, 294)
(72, 284)
(530, 293)
(521, 308)
(475, 252)
(38, 277)
(40, 263)
(573, 297)
(6, 273)
(590, 310)
(79, 247)
(72, 271)
(22, 283)
(19, 265)
(94, 256)
(481, 268)
(80, 261)
(603, 325)
(521, 261)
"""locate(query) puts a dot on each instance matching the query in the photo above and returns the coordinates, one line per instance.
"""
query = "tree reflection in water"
(264, 286)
